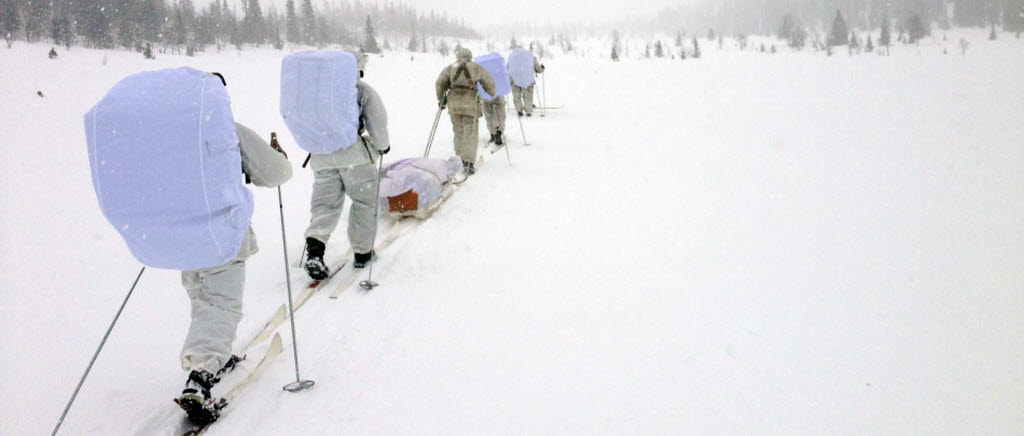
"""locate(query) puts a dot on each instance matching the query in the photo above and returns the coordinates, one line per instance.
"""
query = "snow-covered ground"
(741, 244)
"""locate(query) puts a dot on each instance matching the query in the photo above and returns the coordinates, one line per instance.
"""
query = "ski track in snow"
(741, 244)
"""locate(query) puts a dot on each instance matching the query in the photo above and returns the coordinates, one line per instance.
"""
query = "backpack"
(520, 67)
(494, 63)
(319, 99)
(166, 168)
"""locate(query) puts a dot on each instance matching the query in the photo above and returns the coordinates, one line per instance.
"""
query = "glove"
(441, 105)
(277, 146)
(384, 151)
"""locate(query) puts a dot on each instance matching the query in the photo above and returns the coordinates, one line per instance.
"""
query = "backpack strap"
(458, 73)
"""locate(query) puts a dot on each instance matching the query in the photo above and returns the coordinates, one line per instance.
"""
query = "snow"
(740, 244)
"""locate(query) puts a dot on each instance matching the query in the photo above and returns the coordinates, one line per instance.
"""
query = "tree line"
(179, 25)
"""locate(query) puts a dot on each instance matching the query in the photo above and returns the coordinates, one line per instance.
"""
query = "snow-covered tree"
(839, 32)
(309, 22)
(10, 20)
(916, 29)
(696, 48)
(658, 50)
(370, 38)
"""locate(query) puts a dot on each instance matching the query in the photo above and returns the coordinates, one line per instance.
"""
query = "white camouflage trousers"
(523, 98)
(216, 297)
(494, 113)
(467, 135)
(329, 189)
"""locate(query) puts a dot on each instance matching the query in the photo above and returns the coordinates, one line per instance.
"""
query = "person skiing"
(348, 171)
(459, 81)
(493, 106)
(216, 293)
(175, 194)
(523, 67)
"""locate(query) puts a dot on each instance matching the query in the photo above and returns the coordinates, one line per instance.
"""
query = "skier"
(216, 293)
(493, 107)
(523, 67)
(177, 198)
(459, 80)
(348, 171)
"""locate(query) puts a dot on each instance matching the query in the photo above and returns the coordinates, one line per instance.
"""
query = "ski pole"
(299, 384)
(543, 94)
(97, 353)
(437, 118)
(507, 155)
(369, 284)
(522, 131)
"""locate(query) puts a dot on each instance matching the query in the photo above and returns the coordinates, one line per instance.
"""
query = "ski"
(351, 274)
(549, 107)
(282, 311)
(272, 352)
(465, 174)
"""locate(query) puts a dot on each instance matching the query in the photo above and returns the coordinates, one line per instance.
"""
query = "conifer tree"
(658, 51)
(309, 22)
(696, 48)
(291, 22)
(370, 38)
(10, 20)
(839, 32)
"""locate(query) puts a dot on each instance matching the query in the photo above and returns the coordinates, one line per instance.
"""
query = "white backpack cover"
(494, 63)
(319, 99)
(520, 67)
(166, 168)
(412, 186)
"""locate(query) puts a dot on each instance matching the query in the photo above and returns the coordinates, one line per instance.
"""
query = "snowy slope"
(744, 244)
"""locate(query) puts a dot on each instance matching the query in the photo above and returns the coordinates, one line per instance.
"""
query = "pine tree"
(658, 51)
(711, 34)
(60, 26)
(291, 22)
(252, 23)
(991, 36)
(696, 48)
(370, 38)
(309, 22)
(885, 39)
(869, 47)
(10, 20)
(413, 42)
(839, 32)
(38, 12)
(916, 29)
(513, 45)
(615, 53)
(787, 27)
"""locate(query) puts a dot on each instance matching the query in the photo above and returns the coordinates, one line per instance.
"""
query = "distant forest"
(764, 17)
(178, 25)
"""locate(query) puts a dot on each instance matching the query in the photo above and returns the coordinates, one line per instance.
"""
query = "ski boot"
(497, 138)
(315, 266)
(520, 113)
(491, 139)
(361, 259)
(196, 399)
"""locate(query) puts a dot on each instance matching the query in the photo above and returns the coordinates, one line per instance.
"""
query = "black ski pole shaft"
(369, 284)
(307, 159)
(299, 383)
(97, 353)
